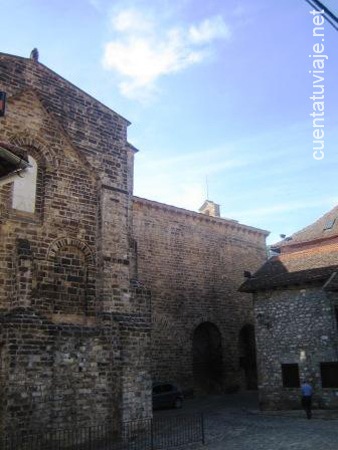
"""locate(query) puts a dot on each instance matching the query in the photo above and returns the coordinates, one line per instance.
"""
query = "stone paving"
(233, 422)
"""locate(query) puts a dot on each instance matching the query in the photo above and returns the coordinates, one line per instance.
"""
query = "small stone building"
(296, 314)
(102, 292)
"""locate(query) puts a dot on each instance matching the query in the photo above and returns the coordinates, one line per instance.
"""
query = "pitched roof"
(324, 227)
(305, 266)
(36, 70)
(91, 126)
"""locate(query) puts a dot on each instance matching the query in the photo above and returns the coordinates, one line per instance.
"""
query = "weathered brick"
(92, 269)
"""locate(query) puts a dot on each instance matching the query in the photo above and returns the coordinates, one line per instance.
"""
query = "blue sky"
(216, 90)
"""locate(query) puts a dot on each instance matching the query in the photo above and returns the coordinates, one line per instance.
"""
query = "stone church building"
(296, 315)
(102, 292)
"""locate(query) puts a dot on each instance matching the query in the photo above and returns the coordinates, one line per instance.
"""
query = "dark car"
(167, 395)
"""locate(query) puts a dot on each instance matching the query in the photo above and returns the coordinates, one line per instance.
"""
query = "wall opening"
(24, 189)
(247, 358)
(207, 358)
(336, 314)
(329, 374)
(3, 377)
(290, 375)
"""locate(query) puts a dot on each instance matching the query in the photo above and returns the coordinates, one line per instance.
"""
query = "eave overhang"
(12, 161)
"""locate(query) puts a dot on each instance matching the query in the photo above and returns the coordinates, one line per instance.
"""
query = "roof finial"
(34, 55)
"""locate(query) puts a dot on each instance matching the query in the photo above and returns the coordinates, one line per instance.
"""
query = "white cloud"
(132, 20)
(209, 30)
(145, 50)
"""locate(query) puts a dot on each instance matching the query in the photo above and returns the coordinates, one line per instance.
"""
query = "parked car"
(167, 395)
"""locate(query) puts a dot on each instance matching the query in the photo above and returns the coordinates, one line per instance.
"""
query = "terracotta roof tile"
(320, 229)
(309, 265)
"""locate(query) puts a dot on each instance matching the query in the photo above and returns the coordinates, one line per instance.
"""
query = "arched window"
(24, 188)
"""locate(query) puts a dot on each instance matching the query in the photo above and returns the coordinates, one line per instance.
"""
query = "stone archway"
(247, 358)
(207, 358)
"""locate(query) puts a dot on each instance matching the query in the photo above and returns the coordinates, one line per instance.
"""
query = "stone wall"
(70, 133)
(294, 326)
(80, 266)
(65, 294)
(193, 264)
(57, 376)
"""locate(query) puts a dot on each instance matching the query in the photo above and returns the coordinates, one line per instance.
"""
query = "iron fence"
(149, 434)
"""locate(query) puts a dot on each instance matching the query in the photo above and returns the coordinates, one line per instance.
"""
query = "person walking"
(307, 391)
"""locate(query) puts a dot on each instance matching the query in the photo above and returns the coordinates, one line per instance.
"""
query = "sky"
(218, 93)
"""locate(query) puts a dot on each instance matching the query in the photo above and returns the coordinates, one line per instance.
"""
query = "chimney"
(210, 209)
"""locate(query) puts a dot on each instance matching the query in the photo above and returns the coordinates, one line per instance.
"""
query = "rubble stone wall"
(295, 326)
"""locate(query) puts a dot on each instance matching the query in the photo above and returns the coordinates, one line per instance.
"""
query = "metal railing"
(149, 434)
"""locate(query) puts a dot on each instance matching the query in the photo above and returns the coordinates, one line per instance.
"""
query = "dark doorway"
(247, 359)
(207, 358)
(3, 390)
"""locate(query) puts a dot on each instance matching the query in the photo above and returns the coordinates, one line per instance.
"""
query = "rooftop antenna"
(207, 186)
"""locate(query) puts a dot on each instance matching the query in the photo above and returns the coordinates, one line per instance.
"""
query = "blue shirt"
(306, 390)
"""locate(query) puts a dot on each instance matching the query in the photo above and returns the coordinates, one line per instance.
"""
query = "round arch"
(207, 358)
(38, 148)
(64, 242)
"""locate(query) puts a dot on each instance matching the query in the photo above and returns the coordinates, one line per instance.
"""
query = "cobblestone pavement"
(233, 422)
